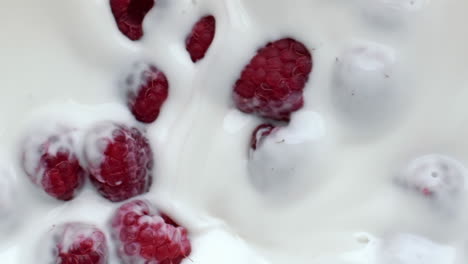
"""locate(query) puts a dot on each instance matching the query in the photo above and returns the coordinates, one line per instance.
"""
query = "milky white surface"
(9, 215)
(64, 61)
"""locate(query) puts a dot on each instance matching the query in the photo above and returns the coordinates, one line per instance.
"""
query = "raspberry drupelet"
(144, 235)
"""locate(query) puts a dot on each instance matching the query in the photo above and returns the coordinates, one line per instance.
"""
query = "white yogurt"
(67, 57)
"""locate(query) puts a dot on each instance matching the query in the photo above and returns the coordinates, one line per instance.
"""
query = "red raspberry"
(145, 236)
(200, 38)
(78, 243)
(271, 85)
(120, 161)
(260, 133)
(53, 165)
(129, 15)
(147, 92)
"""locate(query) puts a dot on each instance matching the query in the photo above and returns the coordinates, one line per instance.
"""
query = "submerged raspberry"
(435, 176)
(147, 89)
(271, 85)
(200, 38)
(144, 235)
(365, 86)
(53, 165)
(280, 158)
(78, 243)
(120, 161)
(129, 15)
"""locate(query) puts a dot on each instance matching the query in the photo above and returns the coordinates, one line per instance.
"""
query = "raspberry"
(144, 235)
(120, 161)
(271, 85)
(78, 243)
(269, 172)
(259, 134)
(129, 15)
(200, 38)
(147, 91)
(52, 164)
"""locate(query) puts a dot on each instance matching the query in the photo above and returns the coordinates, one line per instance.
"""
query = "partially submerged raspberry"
(78, 243)
(435, 176)
(269, 170)
(200, 38)
(143, 235)
(120, 161)
(259, 134)
(129, 15)
(51, 162)
(272, 83)
(280, 157)
(147, 90)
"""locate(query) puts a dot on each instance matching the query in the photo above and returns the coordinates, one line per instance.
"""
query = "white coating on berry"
(50, 139)
(135, 76)
(66, 235)
(51, 129)
(148, 215)
(96, 141)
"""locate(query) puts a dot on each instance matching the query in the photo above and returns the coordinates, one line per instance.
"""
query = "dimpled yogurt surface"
(372, 170)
